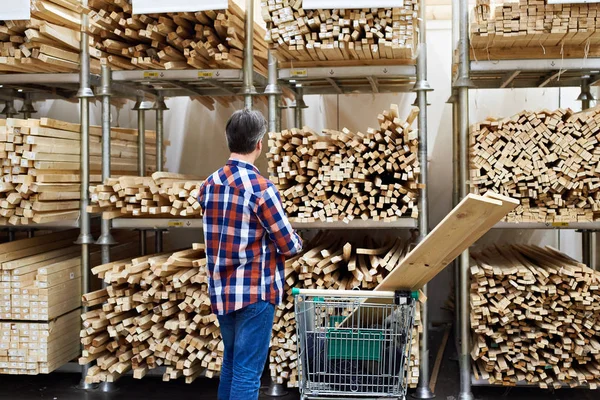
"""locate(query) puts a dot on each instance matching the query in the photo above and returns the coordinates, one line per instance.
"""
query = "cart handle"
(369, 294)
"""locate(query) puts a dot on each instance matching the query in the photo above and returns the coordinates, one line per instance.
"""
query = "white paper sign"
(165, 6)
(348, 4)
(15, 9)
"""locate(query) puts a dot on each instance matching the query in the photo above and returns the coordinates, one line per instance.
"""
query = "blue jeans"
(246, 337)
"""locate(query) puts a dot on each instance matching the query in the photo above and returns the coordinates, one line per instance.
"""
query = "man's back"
(247, 237)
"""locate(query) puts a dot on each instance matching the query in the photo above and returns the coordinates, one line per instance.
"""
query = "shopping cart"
(353, 344)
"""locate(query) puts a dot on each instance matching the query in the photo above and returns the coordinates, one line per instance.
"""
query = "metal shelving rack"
(143, 85)
(501, 74)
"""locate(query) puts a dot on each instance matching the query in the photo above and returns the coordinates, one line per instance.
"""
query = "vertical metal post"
(11, 235)
(455, 201)
(588, 238)
(85, 237)
(141, 106)
(421, 88)
(463, 83)
(160, 108)
(9, 109)
(30, 233)
(248, 90)
(27, 110)
(300, 105)
(106, 239)
(273, 91)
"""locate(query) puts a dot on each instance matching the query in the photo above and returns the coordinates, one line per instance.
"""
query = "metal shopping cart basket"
(353, 344)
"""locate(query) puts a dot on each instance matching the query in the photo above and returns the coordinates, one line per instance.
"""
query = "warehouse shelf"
(486, 383)
(186, 83)
(549, 225)
(350, 79)
(156, 223)
(40, 86)
(196, 223)
(533, 73)
(402, 223)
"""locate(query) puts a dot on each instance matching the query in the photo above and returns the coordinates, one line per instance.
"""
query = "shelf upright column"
(10, 111)
(248, 90)
(300, 106)
(463, 83)
(85, 237)
(141, 106)
(160, 106)
(106, 239)
(588, 238)
(421, 88)
(273, 91)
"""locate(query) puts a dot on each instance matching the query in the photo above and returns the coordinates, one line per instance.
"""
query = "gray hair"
(244, 130)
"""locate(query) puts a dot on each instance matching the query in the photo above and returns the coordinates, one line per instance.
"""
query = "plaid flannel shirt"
(247, 237)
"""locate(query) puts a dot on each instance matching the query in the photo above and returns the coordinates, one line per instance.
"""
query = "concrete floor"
(63, 386)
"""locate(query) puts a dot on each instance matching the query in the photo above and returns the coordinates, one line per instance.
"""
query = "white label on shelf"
(162, 6)
(347, 4)
(15, 9)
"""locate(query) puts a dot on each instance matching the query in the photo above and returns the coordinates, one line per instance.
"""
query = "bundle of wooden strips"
(156, 312)
(548, 159)
(329, 262)
(344, 175)
(48, 42)
(357, 35)
(41, 162)
(535, 318)
(205, 39)
(567, 30)
(162, 194)
(31, 348)
(41, 277)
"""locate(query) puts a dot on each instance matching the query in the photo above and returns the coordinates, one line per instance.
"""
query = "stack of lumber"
(48, 42)
(162, 194)
(533, 28)
(31, 348)
(346, 36)
(535, 317)
(344, 175)
(550, 160)
(41, 277)
(205, 39)
(40, 167)
(330, 262)
(156, 312)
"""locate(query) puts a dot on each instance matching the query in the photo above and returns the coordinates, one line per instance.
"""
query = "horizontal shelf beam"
(548, 225)
(402, 223)
(196, 223)
(485, 383)
(380, 71)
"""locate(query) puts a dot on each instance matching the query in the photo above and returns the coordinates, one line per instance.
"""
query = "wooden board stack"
(161, 195)
(556, 30)
(205, 39)
(344, 175)
(31, 348)
(156, 312)
(535, 318)
(548, 159)
(346, 36)
(41, 162)
(48, 42)
(330, 262)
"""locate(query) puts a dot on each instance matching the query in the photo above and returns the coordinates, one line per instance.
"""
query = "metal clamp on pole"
(85, 238)
(9, 109)
(248, 89)
(421, 88)
(299, 106)
(27, 109)
(160, 106)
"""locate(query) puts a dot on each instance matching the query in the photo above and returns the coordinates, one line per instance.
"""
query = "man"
(247, 238)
